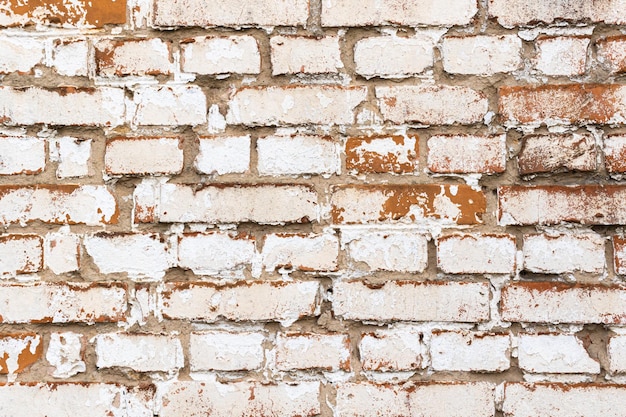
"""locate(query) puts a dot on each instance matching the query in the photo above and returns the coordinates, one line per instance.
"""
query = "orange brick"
(19, 351)
(397, 154)
(62, 12)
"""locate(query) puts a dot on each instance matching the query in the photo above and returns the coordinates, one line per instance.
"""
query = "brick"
(326, 105)
(461, 154)
(308, 55)
(394, 57)
(301, 252)
(481, 55)
(129, 350)
(72, 155)
(65, 354)
(611, 52)
(551, 302)
(62, 252)
(411, 301)
(226, 351)
(585, 204)
(392, 350)
(561, 400)
(431, 105)
(20, 254)
(386, 250)
(400, 12)
(416, 399)
(619, 255)
(70, 57)
(554, 353)
(398, 154)
(327, 352)
(143, 156)
(562, 55)
(558, 254)
(220, 55)
(241, 399)
(615, 153)
(557, 153)
(450, 204)
(22, 155)
(57, 204)
(231, 13)
(223, 155)
(80, 13)
(298, 155)
(228, 253)
(82, 398)
(280, 301)
(141, 57)
(101, 106)
(479, 253)
(19, 351)
(169, 105)
(470, 351)
(140, 256)
(616, 347)
(264, 204)
(62, 302)
(563, 104)
(20, 54)
(510, 13)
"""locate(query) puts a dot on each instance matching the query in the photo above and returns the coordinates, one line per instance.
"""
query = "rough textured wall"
(312, 207)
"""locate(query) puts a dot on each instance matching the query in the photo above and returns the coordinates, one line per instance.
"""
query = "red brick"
(19, 351)
(398, 154)
(557, 153)
(611, 52)
(76, 13)
(615, 154)
(619, 254)
(461, 154)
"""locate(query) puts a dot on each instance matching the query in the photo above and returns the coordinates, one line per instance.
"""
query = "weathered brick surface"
(397, 154)
(329, 352)
(560, 152)
(612, 53)
(461, 351)
(484, 55)
(120, 57)
(79, 13)
(129, 351)
(19, 351)
(393, 350)
(394, 57)
(554, 353)
(21, 254)
(221, 55)
(467, 154)
(564, 253)
(297, 54)
(476, 254)
(562, 55)
(143, 156)
(22, 155)
(226, 351)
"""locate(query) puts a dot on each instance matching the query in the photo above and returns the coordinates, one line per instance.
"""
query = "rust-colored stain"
(615, 160)
(572, 103)
(66, 12)
(25, 357)
(364, 161)
(619, 246)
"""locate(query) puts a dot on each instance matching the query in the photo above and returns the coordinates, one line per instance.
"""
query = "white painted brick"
(227, 13)
(328, 352)
(476, 254)
(65, 354)
(461, 154)
(82, 398)
(558, 152)
(297, 155)
(294, 105)
(481, 55)
(18, 351)
(141, 256)
(139, 352)
(456, 399)
(396, 349)
(240, 399)
(615, 153)
(73, 156)
(616, 349)
(302, 252)
(102, 106)
(411, 301)
(61, 252)
(611, 52)
(470, 351)
(121, 57)
(299, 54)
(221, 55)
(70, 57)
(564, 253)
(223, 155)
(226, 351)
(394, 57)
(20, 54)
(386, 250)
(169, 105)
(215, 253)
(280, 301)
(62, 303)
(432, 105)
(22, 155)
(562, 55)
(144, 155)
(401, 12)
(554, 353)
(20, 254)
(563, 400)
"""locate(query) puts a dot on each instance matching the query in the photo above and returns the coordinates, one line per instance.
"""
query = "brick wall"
(312, 207)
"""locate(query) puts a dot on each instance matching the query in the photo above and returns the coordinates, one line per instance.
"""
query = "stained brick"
(556, 153)
(397, 154)
(79, 13)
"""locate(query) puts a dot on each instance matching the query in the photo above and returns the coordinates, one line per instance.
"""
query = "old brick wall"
(312, 207)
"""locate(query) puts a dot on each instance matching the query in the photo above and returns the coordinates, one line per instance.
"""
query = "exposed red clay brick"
(555, 153)
(381, 154)
(63, 12)
(30, 348)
